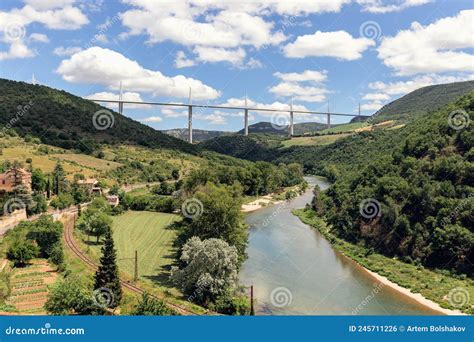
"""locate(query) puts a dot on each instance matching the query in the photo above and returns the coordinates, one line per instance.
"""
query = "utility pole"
(291, 118)
(252, 309)
(246, 117)
(135, 274)
(120, 99)
(190, 118)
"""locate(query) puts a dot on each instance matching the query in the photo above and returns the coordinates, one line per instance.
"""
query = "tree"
(80, 194)
(149, 306)
(62, 201)
(46, 233)
(220, 217)
(96, 223)
(59, 179)
(38, 181)
(210, 268)
(22, 251)
(107, 275)
(69, 296)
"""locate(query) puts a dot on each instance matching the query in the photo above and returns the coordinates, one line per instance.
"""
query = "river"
(295, 271)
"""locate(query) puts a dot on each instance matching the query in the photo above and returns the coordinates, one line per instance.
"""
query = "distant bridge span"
(246, 110)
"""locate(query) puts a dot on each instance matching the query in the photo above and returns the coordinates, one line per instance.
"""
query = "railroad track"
(72, 244)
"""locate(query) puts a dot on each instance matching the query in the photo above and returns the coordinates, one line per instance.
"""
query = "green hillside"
(199, 135)
(420, 179)
(423, 100)
(62, 119)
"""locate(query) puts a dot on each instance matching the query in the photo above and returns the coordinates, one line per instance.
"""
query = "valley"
(235, 197)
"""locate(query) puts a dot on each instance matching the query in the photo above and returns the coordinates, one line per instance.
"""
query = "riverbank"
(427, 287)
(274, 198)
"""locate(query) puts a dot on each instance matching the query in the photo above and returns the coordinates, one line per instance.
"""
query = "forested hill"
(62, 119)
(423, 100)
(415, 186)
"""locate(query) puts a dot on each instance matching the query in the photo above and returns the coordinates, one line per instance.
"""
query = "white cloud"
(56, 15)
(435, 48)
(371, 106)
(126, 96)
(338, 44)
(66, 51)
(213, 119)
(181, 61)
(301, 86)
(253, 63)
(376, 97)
(97, 65)
(152, 119)
(38, 37)
(300, 92)
(173, 113)
(214, 55)
(307, 75)
(404, 87)
(385, 91)
(48, 4)
(381, 6)
(101, 38)
(286, 7)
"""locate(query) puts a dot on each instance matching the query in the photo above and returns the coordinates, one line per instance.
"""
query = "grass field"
(148, 233)
(316, 140)
(349, 127)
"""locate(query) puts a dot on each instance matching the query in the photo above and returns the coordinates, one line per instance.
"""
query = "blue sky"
(341, 51)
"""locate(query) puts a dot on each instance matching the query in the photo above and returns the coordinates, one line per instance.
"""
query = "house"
(15, 177)
(91, 184)
(113, 200)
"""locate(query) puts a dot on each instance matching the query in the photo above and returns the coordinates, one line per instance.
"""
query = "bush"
(57, 255)
(149, 306)
(62, 201)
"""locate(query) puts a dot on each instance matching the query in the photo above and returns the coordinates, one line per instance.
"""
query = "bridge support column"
(246, 122)
(329, 121)
(190, 118)
(291, 132)
(190, 124)
(120, 99)
(246, 118)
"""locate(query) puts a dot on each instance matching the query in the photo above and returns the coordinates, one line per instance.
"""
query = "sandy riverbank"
(415, 296)
(259, 203)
